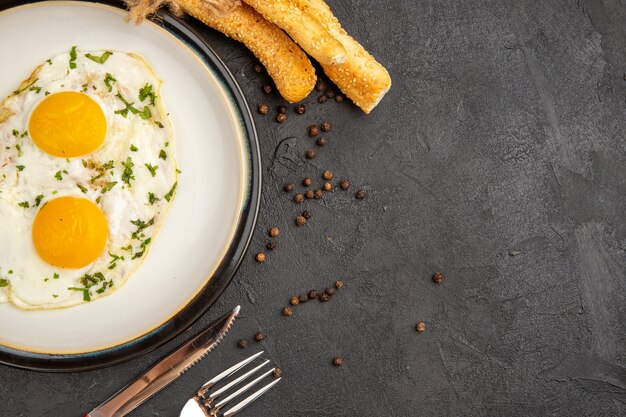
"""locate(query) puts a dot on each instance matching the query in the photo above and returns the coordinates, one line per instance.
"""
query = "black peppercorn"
(328, 186)
(258, 68)
(322, 99)
(260, 257)
(338, 361)
(242, 343)
(307, 214)
(438, 277)
(281, 109)
(259, 337)
(300, 221)
(310, 154)
(307, 181)
(274, 231)
(309, 194)
(360, 195)
(313, 131)
(318, 193)
(294, 301)
(326, 127)
(267, 89)
(327, 175)
(271, 245)
(320, 85)
(420, 327)
(339, 98)
(288, 187)
(330, 93)
(344, 184)
(287, 311)
(312, 295)
(324, 297)
(303, 298)
(300, 109)
(277, 373)
(263, 109)
(339, 284)
(321, 141)
(330, 291)
(298, 198)
(281, 117)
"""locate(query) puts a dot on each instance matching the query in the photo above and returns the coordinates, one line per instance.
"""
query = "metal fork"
(210, 403)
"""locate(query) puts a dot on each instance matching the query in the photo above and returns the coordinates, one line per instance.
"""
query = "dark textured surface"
(498, 158)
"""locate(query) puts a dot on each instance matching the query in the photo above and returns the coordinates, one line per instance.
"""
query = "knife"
(167, 370)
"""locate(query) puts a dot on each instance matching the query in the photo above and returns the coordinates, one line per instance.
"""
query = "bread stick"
(285, 62)
(307, 32)
(361, 77)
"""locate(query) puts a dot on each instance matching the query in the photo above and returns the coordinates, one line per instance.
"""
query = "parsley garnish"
(108, 186)
(15, 133)
(107, 81)
(162, 155)
(54, 295)
(146, 92)
(16, 92)
(156, 122)
(114, 259)
(95, 177)
(55, 276)
(127, 175)
(35, 89)
(100, 59)
(133, 148)
(49, 61)
(86, 295)
(152, 169)
(24, 204)
(24, 134)
(38, 200)
(47, 93)
(171, 192)
(20, 167)
(83, 189)
(19, 149)
(152, 198)
(145, 114)
(58, 175)
(73, 57)
(3, 282)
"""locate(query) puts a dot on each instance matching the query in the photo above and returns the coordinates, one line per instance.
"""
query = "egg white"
(27, 172)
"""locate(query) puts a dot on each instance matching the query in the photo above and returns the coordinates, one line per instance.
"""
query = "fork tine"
(234, 410)
(237, 381)
(230, 370)
(242, 390)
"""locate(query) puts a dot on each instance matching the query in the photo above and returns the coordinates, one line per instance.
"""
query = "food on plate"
(310, 34)
(87, 173)
(285, 62)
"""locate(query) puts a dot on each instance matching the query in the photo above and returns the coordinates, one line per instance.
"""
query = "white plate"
(216, 151)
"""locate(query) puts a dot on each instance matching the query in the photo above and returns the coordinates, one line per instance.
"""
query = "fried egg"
(87, 174)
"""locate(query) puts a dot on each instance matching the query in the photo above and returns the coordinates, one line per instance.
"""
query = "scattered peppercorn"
(287, 311)
(281, 109)
(300, 109)
(338, 361)
(330, 291)
(420, 327)
(259, 337)
(294, 301)
(257, 68)
(360, 195)
(320, 86)
(310, 154)
(242, 343)
(267, 89)
(307, 214)
(339, 284)
(260, 257)
(344, 184)
(330, 93)
(303, 298)
(274, 231)
(271, 245)
(322, 141)
(313, 131)
(438, 277)
(288, 187)
(324, 297)
(312, 295)
(327, 175)
(298, 198)
(263, 109)
(326, 127)
(322, 99)
(328, 186)
(318, 193)
(277, 373)
(281, 117)
(339, 98)
(309, 194)
(300, 221)
(307, 181)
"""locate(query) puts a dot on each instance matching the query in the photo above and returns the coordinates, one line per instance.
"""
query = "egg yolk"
(68, 124)
(70, 232)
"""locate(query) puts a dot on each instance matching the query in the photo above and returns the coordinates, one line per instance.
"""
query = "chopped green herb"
(108, 186)
(85, 87)
(152, 169)
(3, 282)
(146, 92)
(55, 276)
(35, 89)
(108, 165)
(133, 148)
(128, 248)
(49, 61)
(162, 155)
(24, 134)
(167, 144)
(100, 59)
(24, 204)
(83, 189)
(54, 192)
(58, 176)
(98, 199)
(16, 92)
(15, 133)
(73, 57)
(38, 200)
(108, 79)
(86, 295)
(146, 113)
(18, 147)
(127, 175)
(20, 167)
(95, 177)
(47, 93)
(10, 272)
(54, 295)
(171, 192)
(46, 279)
(156, 122)
(152, 198)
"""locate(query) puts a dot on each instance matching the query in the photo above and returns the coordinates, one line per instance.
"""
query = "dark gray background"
(504, 132)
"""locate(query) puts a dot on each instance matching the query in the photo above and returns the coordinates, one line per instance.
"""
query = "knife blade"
(167, 370)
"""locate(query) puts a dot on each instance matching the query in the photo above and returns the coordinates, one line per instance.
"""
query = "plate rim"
(229, 263)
